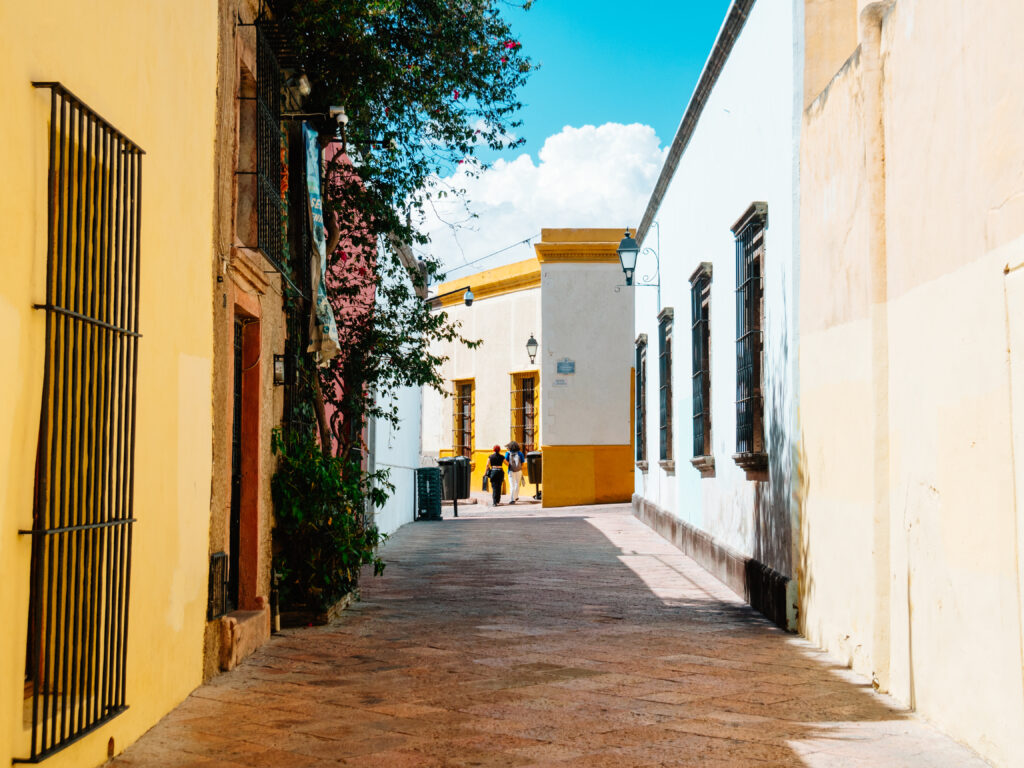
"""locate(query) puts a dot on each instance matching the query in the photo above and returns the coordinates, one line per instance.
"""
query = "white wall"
(587, 321)
(504, 324)
(743, 150)
(397, 449)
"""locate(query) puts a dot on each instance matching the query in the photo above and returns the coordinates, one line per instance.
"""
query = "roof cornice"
(727, 37)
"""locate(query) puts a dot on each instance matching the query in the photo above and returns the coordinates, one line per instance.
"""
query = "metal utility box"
(428, 493)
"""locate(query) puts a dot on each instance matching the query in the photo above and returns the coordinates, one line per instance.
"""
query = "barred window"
(83, 508)
(462, 419)
(268, 152)
(665, 381)
(258, 202)
(640, 421)
(523, 416)
(749, 232)
(700, 330)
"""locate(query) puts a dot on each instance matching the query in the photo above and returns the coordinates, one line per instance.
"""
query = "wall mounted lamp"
(629, 250)
(531, 348)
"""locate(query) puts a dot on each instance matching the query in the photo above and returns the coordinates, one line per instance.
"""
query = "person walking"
(496, 474)
(515, 458)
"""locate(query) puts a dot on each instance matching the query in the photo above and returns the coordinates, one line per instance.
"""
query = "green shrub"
(322, 537)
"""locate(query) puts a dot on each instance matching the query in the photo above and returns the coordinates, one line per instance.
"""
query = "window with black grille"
(665, 383)
(700, 346)
(523, 416)
(749, 232)
(268, 152)
(84, 507)
(640, 419)
(462, 417)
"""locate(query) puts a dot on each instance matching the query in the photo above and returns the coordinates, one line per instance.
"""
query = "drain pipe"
(872, 16)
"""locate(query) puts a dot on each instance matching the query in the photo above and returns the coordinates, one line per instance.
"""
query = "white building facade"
(716, 362)
(573, 401)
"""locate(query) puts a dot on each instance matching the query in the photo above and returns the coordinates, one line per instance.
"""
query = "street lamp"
(467, 297)
(531, 348)
(629, 249)
(628, 252)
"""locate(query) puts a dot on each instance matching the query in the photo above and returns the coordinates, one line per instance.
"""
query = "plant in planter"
(320, 502)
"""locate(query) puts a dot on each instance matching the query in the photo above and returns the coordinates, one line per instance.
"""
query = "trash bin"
(462, 474)
(447, 467)
(534, 472)
(533, 467)
(428, 493)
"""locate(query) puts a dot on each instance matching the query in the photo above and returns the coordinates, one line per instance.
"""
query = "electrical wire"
(494, 253)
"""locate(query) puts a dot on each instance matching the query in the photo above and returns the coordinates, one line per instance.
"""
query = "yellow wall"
(149, 69)
(912, 241)
(586, 474)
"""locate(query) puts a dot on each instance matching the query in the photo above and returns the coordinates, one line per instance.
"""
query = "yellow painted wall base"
(587, 474)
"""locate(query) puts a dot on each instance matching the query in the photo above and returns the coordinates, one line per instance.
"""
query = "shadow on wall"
(775, 504)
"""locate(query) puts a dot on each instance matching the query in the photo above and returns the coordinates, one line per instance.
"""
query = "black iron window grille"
(298, 391)
(462, 418)
(700, 331)
(83, 507)
(640, 421)
(268, 153)
(749, 234)
(524, 411)
(665, 381)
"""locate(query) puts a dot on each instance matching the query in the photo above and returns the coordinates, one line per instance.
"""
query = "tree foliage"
(425, 84)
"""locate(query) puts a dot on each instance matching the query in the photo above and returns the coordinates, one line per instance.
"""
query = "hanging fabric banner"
(323, 329)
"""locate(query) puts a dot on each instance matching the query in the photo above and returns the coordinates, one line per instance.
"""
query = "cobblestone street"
(526, 637)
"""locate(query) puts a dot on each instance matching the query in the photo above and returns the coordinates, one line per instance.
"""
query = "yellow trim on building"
(587, 474)
(521, 276)
(579, 246)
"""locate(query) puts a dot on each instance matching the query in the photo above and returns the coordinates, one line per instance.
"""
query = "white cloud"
(585, 177)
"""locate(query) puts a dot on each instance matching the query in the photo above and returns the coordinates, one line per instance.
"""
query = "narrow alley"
(520, 636)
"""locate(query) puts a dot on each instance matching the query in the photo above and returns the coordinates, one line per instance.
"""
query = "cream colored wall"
(504, 324)
(585, 320)
(150, 69)
(837, 442)
(912, 531)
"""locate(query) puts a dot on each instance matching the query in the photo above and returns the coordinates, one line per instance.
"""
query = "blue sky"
(599, 116)
(605, 61)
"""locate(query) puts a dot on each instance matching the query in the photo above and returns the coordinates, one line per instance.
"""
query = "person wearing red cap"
(496, 474)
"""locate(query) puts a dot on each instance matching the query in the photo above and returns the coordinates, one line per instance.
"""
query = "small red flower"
(455, 93)
(504, 59)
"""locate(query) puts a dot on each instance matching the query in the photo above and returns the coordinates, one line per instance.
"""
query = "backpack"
(515, 462)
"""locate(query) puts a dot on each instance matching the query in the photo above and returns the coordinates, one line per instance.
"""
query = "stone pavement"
(519, 636)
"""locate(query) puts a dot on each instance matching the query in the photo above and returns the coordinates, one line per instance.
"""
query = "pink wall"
(350, 281)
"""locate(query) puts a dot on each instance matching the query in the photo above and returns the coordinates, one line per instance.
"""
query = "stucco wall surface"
(921, 569)
(587, 322)
(504, 324)
(742, 151)
(587, 414)
(836, 359)
(150, 69)
(251, 290)
(397, 448)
